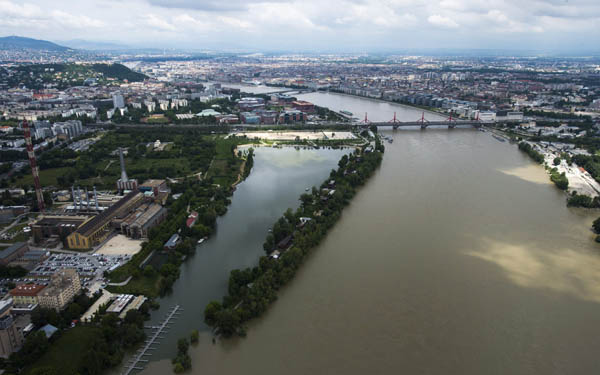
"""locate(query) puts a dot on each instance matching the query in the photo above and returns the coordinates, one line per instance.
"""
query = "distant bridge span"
(299, 91)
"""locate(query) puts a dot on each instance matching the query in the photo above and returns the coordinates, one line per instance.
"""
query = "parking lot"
(88, 265)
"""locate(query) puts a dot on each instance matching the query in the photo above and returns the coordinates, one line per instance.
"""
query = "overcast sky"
(305, 25)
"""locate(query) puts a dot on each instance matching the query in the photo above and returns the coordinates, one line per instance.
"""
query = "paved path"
(122, 283)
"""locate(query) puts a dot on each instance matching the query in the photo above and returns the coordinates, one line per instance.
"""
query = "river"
(457, 257)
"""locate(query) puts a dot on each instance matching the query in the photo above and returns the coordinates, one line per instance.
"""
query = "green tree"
(211, 312)
(596, 225)
(194, 336)
(178, 368)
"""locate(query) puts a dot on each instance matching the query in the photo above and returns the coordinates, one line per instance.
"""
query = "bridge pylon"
(395, 122)
(422, 121)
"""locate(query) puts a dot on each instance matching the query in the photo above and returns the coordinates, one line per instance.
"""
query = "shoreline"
(381, 101)
(291, 240)
(284, 88)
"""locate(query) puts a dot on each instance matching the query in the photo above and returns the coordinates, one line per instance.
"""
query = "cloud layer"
(350, 25)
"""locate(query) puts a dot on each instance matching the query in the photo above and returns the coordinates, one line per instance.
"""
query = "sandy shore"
(302, 135)
(579, 180)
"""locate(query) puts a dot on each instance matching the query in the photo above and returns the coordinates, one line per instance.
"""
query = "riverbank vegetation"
(529, 150)
(293, 237)
(559, 179)
(182, 362)
(581, 200)
(153, 271)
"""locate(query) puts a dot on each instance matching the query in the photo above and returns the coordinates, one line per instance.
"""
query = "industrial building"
(137, 224)
(13, 252)
(157, 188)
(95, 230)
(58, 227)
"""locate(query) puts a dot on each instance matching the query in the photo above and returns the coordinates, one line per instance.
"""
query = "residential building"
(64, 286)
(11, 338)
(26, 294)
(118, 101)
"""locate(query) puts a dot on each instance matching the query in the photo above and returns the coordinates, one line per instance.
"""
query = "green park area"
(62, 357)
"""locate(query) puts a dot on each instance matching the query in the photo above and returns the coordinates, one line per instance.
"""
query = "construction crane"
(34, 168)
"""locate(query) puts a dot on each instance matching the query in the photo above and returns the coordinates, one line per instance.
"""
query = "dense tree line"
(529, 150)
(582, 200)
(182, 362)
(559, 179)
(249, 162)
(251, 290)
(10, 272)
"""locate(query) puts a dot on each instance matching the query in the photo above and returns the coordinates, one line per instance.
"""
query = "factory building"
(13, 252)
(95, 230)
(137, 224)
(57, 227)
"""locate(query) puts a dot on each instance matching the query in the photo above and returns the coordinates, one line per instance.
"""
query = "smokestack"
(87, 199)
(73, 195)
(123, 173)
(96, 198)
(79, 196)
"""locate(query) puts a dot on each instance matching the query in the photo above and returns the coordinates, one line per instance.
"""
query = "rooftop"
(12, 249)
(152, 183)
(27, 290)
(98, 221)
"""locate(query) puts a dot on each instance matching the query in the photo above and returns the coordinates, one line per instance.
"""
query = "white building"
(118, 101)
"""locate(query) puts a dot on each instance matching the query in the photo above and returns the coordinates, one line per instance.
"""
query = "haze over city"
(312, 25)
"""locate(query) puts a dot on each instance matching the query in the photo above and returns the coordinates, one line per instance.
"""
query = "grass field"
(21, 236)
(147, 286)
(47, 177)
(65, 355)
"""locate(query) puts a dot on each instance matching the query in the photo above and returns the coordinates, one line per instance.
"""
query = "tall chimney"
(87, 199)
(73, 195)
(79, 196)
(96, 198)
(123, 173)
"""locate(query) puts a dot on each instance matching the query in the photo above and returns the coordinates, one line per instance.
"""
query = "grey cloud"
(207, 5)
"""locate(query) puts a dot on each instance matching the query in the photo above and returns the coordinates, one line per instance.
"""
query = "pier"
(138, 360)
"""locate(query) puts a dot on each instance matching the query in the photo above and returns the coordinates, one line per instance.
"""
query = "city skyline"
(336, 26)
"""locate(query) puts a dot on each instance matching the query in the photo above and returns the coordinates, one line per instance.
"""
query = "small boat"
(499, 138)
(201, 240)
(307, 189)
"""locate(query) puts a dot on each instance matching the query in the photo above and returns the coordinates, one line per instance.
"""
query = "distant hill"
(18, 42)
(37, 76)
(93, 45)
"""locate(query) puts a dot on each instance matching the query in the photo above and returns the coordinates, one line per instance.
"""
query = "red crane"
(34, 168)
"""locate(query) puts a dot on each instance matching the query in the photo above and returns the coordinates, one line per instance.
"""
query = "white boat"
(200, 241)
